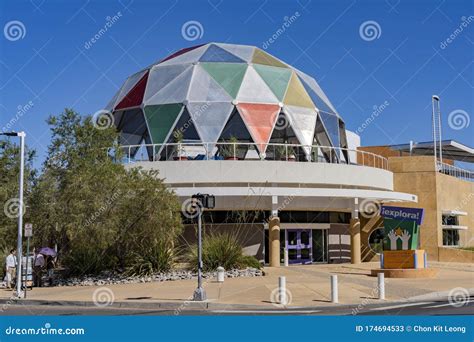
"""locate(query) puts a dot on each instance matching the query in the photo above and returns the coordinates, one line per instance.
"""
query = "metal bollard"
(334, 291)
(220, 274)
(285, 257)
(282, 290)
(381, 284)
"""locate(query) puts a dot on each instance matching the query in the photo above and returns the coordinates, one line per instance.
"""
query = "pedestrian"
(50, 264)
(38, 270)
(10, 267)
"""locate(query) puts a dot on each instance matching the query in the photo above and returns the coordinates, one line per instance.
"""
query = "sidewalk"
(307, 286)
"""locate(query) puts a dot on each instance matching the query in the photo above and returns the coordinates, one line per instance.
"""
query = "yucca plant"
(157, 258)
(221, 250)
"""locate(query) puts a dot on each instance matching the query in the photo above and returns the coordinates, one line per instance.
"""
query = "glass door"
(299, 246)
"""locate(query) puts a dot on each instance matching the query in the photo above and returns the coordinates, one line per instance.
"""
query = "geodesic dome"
(216, 91)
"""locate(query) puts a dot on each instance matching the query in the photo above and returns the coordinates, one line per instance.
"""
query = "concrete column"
(354, 229)
(274, 241)
(355, 241)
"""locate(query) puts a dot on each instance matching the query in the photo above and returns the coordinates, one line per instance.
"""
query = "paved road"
(412, 308)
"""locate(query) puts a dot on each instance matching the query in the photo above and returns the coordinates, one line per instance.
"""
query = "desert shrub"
(157, 258)
(222, 249)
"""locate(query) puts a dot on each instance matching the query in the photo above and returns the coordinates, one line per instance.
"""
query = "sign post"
(28, 234)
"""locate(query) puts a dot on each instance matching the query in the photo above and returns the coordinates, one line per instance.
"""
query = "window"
(450, 220)
(450, 237)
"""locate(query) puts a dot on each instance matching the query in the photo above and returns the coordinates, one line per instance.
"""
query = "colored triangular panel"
(205, 89)
(296, 95)
(244, 52)
(161, 119)
(331, 123)
(217, 54)
(303, 122)
(210, 118)
(135, 97)
(188, 57)
(261, 57)
(228, 75)
(254, 90)
(128, 85)
(161, 76)
(180, 52)
(276, 78)
(260, 120)
(186, 126)
(311, 82)
(174, 92)
(320, 104)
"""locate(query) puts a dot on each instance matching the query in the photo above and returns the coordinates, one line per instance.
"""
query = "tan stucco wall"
(436, 192)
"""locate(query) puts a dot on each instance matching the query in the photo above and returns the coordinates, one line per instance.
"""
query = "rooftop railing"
(455, 171)
(248, 151)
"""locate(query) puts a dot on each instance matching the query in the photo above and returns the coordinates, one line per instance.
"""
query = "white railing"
(455, 171)
(248, 151)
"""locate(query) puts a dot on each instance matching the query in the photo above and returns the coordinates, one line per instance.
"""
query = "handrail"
(241, 151)
(455, 171)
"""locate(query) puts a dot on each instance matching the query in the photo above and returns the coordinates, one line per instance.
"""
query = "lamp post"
(22, 135)
(201, 201)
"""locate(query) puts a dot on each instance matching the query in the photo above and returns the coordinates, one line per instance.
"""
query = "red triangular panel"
(260, 120)
(180, 52)
(135, 96)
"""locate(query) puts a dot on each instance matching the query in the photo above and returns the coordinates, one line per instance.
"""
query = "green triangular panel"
(276, 78)
(228, 75)
(160, 119)
(261, 57)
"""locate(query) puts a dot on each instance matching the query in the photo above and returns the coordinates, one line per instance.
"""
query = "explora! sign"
(399, 213)
(402, 227)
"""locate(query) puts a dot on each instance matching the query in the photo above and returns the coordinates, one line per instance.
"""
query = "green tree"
(101, 215)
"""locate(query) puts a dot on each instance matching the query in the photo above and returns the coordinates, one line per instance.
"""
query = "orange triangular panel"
(260, 120)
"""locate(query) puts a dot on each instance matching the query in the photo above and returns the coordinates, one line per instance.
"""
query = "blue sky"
(47, 66)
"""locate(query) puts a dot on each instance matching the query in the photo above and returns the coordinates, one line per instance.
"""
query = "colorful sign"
(400, 213)
(402, 227)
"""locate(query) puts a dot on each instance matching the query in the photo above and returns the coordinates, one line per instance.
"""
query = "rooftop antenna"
(436, 123)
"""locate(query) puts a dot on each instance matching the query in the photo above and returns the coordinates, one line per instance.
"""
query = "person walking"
(50, 264)
(10, 266)
(38, 270)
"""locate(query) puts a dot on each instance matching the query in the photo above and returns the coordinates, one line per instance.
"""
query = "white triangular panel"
(205, 89)
(303, 122)
(210, 118)
(254, 90)
(244, 52)
(174, 92)
(160, 76)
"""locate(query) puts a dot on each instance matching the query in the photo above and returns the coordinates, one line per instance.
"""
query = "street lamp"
(22, 135)
(201, 201)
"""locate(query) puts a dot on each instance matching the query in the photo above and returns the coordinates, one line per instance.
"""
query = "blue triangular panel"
(318, 102)
(331, 123)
